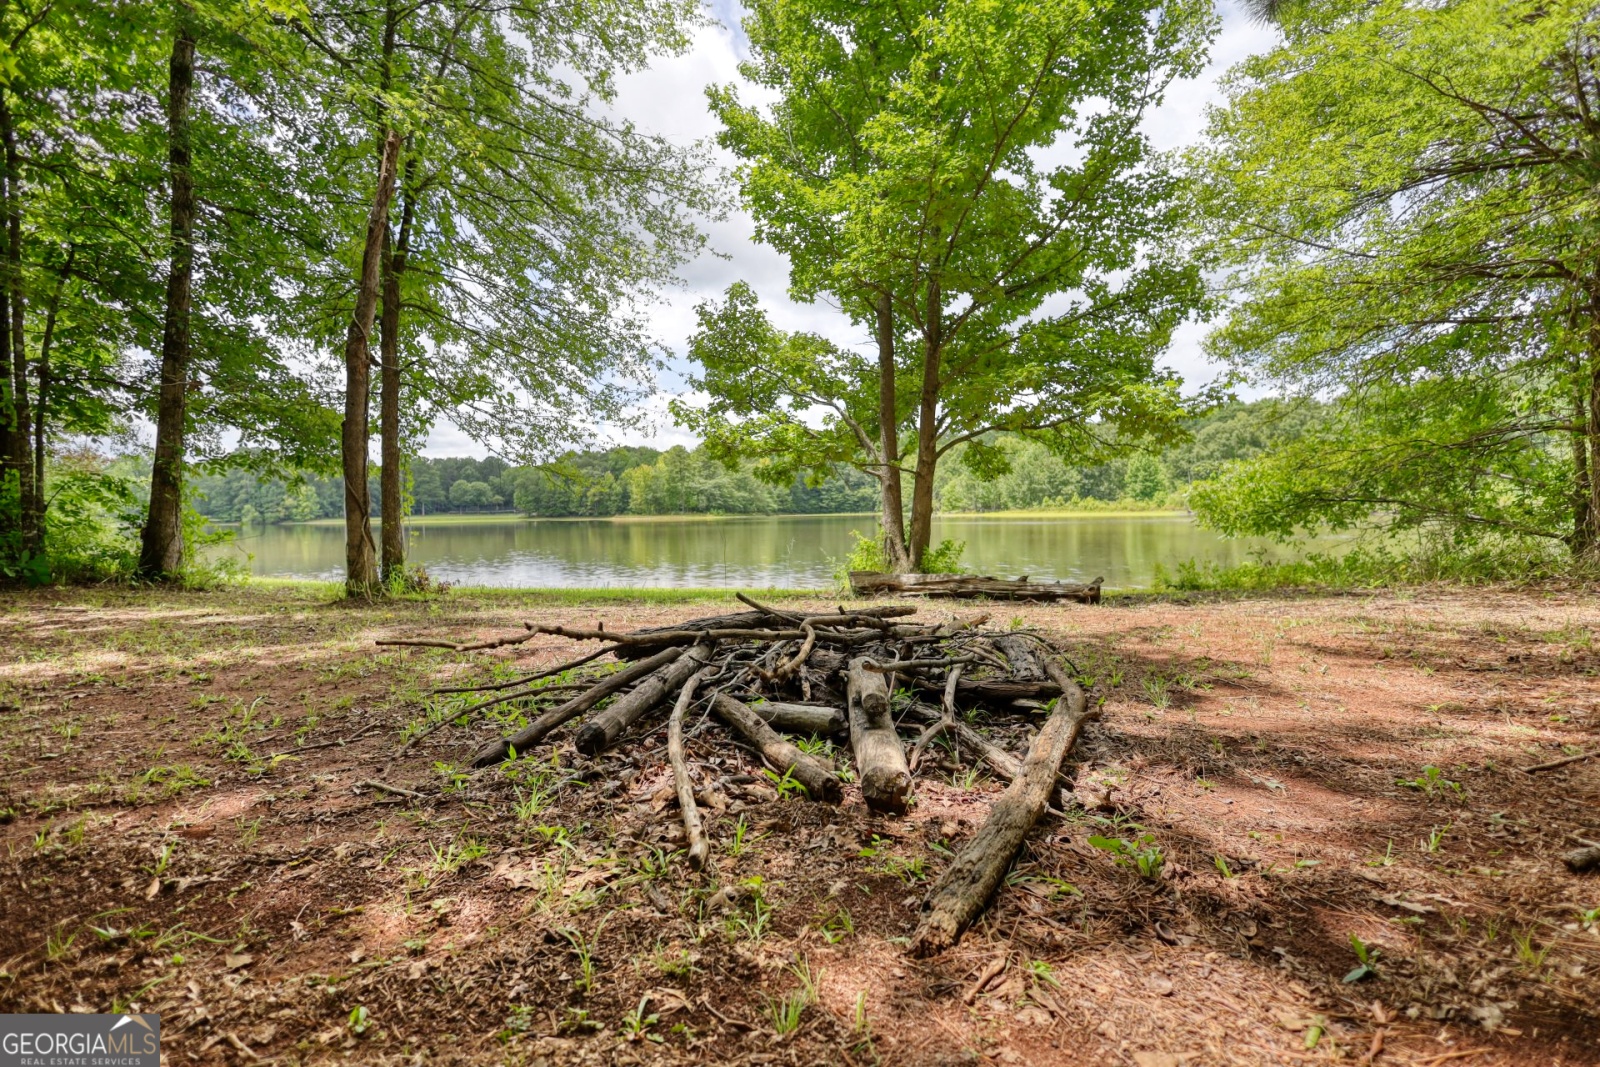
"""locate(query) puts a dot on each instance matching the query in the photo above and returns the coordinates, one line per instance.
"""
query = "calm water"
(753, 552)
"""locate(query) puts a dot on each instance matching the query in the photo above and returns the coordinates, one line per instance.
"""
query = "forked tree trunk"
(161, 543)
(361, 564)
(392, 475)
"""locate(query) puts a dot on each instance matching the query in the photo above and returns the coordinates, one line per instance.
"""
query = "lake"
(794, 551)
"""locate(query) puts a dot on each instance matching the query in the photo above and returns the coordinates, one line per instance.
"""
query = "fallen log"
(785, 758)
(536, 730)
(965, 586)
(965, 887)
(603, 729)
(801, 718)
(1022, 655)
(699, 848)
(880, 761)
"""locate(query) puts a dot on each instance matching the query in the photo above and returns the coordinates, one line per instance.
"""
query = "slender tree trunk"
(927, 433)
(42, 407)
(10, 521)
(361, 565)
(1583, 540)
(392, 474)
(894, 521)
(161, 549)
(1588, 510)
(22, 420)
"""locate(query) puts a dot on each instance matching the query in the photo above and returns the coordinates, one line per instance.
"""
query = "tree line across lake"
(290, 237)
(681, 481)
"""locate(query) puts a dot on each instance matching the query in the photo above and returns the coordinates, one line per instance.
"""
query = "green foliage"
(1392, 194)
(900, 167)
(1367, 957)
(1142, 853)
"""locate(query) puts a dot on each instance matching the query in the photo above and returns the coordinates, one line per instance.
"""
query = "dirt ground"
(189, 828)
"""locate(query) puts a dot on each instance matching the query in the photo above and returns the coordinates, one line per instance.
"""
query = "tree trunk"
(895, 557)
(927, 433)
(361, 565)
(28, 496)
(161, 548)
(392, 473)
(1584, 539)
(41, 408)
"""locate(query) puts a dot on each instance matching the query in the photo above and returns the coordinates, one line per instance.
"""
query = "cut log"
(536, 730)
(1582, 859)
(965, 887)
(801, 718)
(875, 583)
(785, 758)
(880, 761)
(699, 849)
(603, 729)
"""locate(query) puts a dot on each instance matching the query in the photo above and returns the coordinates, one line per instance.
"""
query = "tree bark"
(971, 879)
(161, 544)
(539, 728)
(785, 757)
(927, 432)
(604, 727)
(41, 408)
(361, 565)
(693, 832)
(958, 586)
(894, 521)
(22, 420)
(880, 761)
(801, 718)
(391, 476)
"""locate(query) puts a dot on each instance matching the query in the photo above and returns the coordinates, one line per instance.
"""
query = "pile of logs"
(768, 673)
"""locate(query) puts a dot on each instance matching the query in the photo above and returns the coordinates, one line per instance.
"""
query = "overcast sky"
(669, 99)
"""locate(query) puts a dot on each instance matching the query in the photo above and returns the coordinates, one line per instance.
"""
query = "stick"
(699, 849)
(989, 974)
(967, 884)
(818, 779)
(773, 612)
(947, 717)
(1553, 764)
(915, 664)
(603, 729)
(385, 787)
(567, 666)
(538, 728)
(880, 762)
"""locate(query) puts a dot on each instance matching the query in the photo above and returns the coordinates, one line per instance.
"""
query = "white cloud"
(669, 99)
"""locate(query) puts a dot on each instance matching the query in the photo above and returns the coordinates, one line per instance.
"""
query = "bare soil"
(186, 830)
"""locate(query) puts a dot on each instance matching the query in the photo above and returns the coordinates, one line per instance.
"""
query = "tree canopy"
(971, 184)
(1402, 196)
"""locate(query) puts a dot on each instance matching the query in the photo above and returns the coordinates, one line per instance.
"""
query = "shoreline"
(493, 518)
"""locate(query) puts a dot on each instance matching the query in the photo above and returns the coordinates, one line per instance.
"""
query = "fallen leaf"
(233, 963)
(1395, 902)
(1160, 985)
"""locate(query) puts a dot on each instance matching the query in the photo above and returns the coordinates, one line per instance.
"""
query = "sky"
(669, 99)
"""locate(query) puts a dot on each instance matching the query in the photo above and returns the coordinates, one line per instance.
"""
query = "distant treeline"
(681, 481)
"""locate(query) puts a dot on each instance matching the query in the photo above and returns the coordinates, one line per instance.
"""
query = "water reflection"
(786, 551)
